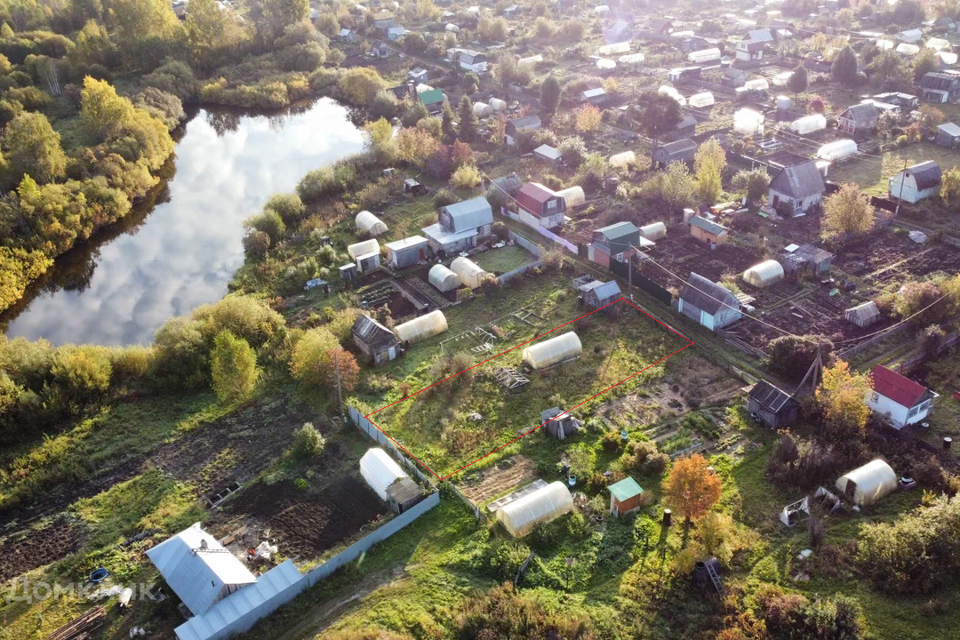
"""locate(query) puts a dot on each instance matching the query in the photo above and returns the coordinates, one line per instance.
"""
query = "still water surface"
(180, 249)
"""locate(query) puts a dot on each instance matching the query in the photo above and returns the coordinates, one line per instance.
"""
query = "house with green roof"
(618, 241)
(625, 496)
(432, 100)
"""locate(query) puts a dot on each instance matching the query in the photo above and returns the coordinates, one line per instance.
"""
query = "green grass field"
(873, 175)
(503, 259)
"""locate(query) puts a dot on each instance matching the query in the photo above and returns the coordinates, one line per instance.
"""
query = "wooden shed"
(625, 496)
(774, 407)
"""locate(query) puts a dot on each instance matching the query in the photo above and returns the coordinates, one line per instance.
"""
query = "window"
(551, 205)
(913, 412)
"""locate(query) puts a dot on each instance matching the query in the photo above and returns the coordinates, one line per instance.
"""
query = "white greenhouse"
(452, 28)
(530, 61)
(667, 90)
(883, 45)
(612, 49)
(869, 483)
(907, 49)
(632, 59)
(363, 248)
(421, 328)
(442, 278)
(757, 84)
(623, 159)
(809, 124)
(701, 100)
(573, 196)
(748, 122)
(543, 505)
(605, 63)
(471, 274)
(550, 352)
(370, 224)
(654, 231)
(837, 150)
(704, 55)
(380, 471)
(766, 273)
(482, 109)
(782, 79)
(498, 104)
(939, 44)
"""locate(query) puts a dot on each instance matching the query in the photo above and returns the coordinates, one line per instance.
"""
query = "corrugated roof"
(625, 489)
(901, 390)
(813, 254)
(433, 96)
(772, 398)
(548, 152)
(404, 490)
(707, 225)
(470, 214)
(707, 296)
(406, 243)
(617, 230)
(950, 129)
(927, 174)
(197, 567)
(862, 112)
(799, 180)
(604, 290)
(372, 332)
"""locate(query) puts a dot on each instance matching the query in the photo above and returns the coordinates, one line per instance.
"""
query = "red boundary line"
(635, 374)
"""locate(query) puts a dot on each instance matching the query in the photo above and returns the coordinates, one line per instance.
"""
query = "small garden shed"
(625, 496)
(863, 315)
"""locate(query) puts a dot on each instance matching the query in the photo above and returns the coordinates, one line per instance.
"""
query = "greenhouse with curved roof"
(471, 274)
(867, 484)
(553, 351)
(363, 248)
(765, 274)
(573, 196)
(543, 505)
(421, 328)
(370, 224)
(443, 278)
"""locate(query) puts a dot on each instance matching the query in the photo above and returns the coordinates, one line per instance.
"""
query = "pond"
(180, 248)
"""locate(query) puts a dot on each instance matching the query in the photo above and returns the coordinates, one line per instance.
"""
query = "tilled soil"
(38, 547)
(303, 524)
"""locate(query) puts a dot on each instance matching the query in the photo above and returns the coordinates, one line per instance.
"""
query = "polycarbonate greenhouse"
(809, 124)
(543, 505)
(363, 248)
(470, 273)
(631, 59)
(549, 352)
(623, 159)
(482, 109)
(766, 273)
(606, 63)
(498, 104)
(757, 84)
(421, 328)
(654, 231)
(868, 483)
(532, 60)
(748, 122)
(837, 150)
(380, 471)
(701, 100)
(704, 55)
(611, 49)
(442, 278)
(370, 224)
(573, 196)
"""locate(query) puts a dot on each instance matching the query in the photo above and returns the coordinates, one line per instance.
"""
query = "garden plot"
(303, 524)
(497, 480)
(682, 254)
(456, 421)
(37, 547)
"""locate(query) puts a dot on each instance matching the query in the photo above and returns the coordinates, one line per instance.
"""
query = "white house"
(468, 59)
(797, 186)
(901, 400)
(910, 36)
(915, 183)
(460, 226)
(708, 303)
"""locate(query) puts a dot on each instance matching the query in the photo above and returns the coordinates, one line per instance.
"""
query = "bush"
(268, 222)
(444, 197)
(466, 177)
(642, 456)
(791, 357)
(307, 443)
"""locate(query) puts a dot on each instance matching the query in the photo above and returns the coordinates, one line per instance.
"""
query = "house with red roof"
(900, 400)
(540, 207)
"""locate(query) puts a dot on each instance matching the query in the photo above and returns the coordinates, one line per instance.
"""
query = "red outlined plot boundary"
(517, 346)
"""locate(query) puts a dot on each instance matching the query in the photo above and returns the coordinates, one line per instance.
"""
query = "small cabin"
(708, 232)
(916, 183)
(625, 496)
(597, 295)
(774, 407)
(374, 340)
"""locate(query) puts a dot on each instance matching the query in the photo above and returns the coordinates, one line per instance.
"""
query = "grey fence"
(371, 430)
(519, 271)
(866, 344)
(529, 245)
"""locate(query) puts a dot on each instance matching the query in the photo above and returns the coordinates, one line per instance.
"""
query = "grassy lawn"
(436, 425)
(503, 259)
(873, 174)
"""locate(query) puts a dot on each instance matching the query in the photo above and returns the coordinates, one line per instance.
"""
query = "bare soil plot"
(305, 524)
(499, 479)
(37, 547)
(682, 254)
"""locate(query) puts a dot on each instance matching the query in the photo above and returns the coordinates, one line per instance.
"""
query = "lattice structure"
(509, 378)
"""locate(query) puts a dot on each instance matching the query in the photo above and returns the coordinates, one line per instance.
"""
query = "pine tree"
(550, 95)
(446, 123)
(798, 81)
(468, 120)
(844, 69)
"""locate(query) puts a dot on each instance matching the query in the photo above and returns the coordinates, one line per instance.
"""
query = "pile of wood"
(82, 627)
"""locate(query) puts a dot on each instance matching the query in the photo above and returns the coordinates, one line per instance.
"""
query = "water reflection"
(180, 249)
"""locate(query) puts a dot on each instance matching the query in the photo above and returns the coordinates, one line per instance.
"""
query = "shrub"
(467, 176)
(288, 206)
(233, 368)
(268, 222)
(307, 443)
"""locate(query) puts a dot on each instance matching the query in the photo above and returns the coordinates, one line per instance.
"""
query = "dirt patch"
(38, 547)
(682, 254)
(304, 525)
(498, 479)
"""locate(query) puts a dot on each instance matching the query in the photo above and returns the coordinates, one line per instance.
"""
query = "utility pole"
(903, 178)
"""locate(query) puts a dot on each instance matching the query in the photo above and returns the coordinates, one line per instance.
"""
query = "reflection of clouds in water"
(188, 248)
